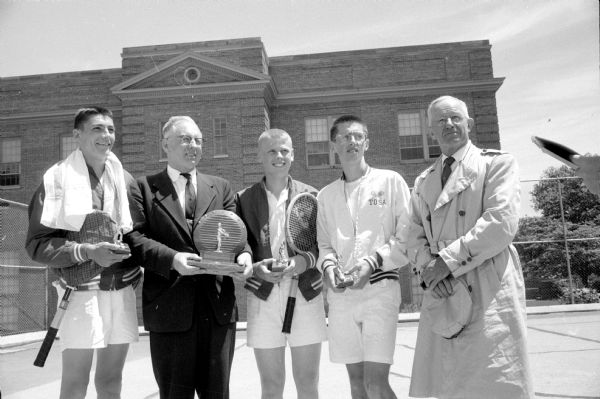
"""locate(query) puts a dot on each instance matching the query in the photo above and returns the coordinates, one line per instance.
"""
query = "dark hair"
(345, 119)
(84, 114)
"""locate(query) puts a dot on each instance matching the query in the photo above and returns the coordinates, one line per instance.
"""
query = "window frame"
(219, 136)
(425, 144)
(333, 160)
(19, 171)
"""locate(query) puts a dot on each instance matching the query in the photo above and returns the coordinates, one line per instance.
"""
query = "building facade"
(234, 91)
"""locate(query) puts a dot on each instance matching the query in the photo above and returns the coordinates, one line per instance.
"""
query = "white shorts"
(95, 319)
(265, 319)
(363, 323)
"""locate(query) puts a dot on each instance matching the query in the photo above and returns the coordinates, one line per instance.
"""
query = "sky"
(547, 50)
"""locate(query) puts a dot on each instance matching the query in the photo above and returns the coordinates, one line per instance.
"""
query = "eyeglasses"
(348, 137)
(187, 140)
(455, 119)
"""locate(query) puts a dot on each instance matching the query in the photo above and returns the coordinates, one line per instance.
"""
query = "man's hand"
(245, 260)
(362, 271)
(443, 289)
(104, 253)
(296, 265)
(261, 270)
(589, 170)
(435, 272)
(329, 279)
(183, 263)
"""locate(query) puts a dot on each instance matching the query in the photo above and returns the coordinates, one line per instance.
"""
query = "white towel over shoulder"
(69, 196)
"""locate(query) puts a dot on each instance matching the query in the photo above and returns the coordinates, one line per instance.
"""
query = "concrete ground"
(564, 348)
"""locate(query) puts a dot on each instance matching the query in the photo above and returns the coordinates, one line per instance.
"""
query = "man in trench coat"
(463, 231)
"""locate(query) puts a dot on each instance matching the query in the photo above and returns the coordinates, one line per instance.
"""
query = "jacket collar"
(459, 180)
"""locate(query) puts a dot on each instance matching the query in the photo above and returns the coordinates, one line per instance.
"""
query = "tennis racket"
(301, 236)
(97, 227)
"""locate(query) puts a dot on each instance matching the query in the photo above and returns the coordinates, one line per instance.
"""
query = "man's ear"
(164, 145)
(76, 133)
(366, 144)
(470, 123)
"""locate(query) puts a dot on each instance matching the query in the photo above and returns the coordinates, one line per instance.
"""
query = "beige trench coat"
(471, 224)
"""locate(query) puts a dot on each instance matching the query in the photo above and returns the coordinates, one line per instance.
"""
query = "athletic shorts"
(95, 318)
(363, 323)
(265, 319)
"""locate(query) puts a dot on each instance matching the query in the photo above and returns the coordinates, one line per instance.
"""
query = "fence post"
(562, 218)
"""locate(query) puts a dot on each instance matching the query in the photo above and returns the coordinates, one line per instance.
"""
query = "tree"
(547, 260)
(579, 204)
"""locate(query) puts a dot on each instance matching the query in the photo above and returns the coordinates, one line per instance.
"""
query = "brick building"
(234, 91)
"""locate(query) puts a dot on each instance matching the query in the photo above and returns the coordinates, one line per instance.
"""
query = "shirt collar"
(458, 154)
(175, 174)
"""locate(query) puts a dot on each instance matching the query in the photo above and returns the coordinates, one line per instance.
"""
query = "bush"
(581, 295)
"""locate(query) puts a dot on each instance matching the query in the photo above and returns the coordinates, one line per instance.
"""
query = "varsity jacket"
(51, 247)
(252, 206)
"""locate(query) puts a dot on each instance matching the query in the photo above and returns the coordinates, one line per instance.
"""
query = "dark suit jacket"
(160, 231)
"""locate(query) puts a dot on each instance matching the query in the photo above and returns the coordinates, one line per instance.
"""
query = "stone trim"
(388, 92)
(209, 63)
(49, 115)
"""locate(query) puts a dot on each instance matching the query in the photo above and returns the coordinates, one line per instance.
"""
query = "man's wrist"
(327, 264)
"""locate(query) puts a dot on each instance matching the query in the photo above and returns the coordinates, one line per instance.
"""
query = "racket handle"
(40, 360)
(289, 314)
(289, 307)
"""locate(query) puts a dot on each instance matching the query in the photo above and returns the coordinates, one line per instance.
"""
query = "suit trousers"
(197, 360)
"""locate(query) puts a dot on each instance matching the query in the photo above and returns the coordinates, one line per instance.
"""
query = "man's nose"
(448, 122)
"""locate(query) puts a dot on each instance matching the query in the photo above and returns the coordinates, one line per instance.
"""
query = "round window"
(191, 75)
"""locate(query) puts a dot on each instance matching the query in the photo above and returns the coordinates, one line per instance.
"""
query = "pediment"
(190, 70)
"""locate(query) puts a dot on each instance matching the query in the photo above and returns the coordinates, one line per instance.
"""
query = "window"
(319, 153)
(220, 136)
(415, 142)
(267, 120)
(68, 144)
(10, 162)
(162, 155)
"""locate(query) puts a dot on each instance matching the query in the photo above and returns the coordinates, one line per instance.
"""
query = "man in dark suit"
(191, 315)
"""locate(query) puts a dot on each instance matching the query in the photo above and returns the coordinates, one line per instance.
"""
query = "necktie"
(190, 197)
(447, 170)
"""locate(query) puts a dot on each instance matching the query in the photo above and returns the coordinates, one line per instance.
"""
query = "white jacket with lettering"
(381, 224)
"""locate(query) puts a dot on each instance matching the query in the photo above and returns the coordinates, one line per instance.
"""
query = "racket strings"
(302, 224)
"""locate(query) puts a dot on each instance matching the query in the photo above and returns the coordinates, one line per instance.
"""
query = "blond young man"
(263, 208)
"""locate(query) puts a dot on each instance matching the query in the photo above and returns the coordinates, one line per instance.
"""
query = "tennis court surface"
(564, 349)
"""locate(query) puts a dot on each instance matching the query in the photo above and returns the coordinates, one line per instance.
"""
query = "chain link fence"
(559, 251)
(24, 299)
(558, 244)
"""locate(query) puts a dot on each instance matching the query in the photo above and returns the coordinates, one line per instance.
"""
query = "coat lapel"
(166, 196)
(432, 184)
(459, 180)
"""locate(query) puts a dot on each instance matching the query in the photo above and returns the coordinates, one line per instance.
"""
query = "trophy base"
(278, 266)
(219, 263)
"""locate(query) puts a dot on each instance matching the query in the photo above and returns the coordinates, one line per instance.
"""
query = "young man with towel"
(102, 312)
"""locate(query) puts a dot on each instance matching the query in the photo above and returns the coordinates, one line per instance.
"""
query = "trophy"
(219, 236)
(343, 279)
(281, 262)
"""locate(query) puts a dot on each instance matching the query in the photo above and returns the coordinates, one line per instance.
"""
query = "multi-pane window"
(162, 155)
(415, 143)
(267, 119)
(68, 144)
(318, 151)
(10, 162)
(220, 136)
